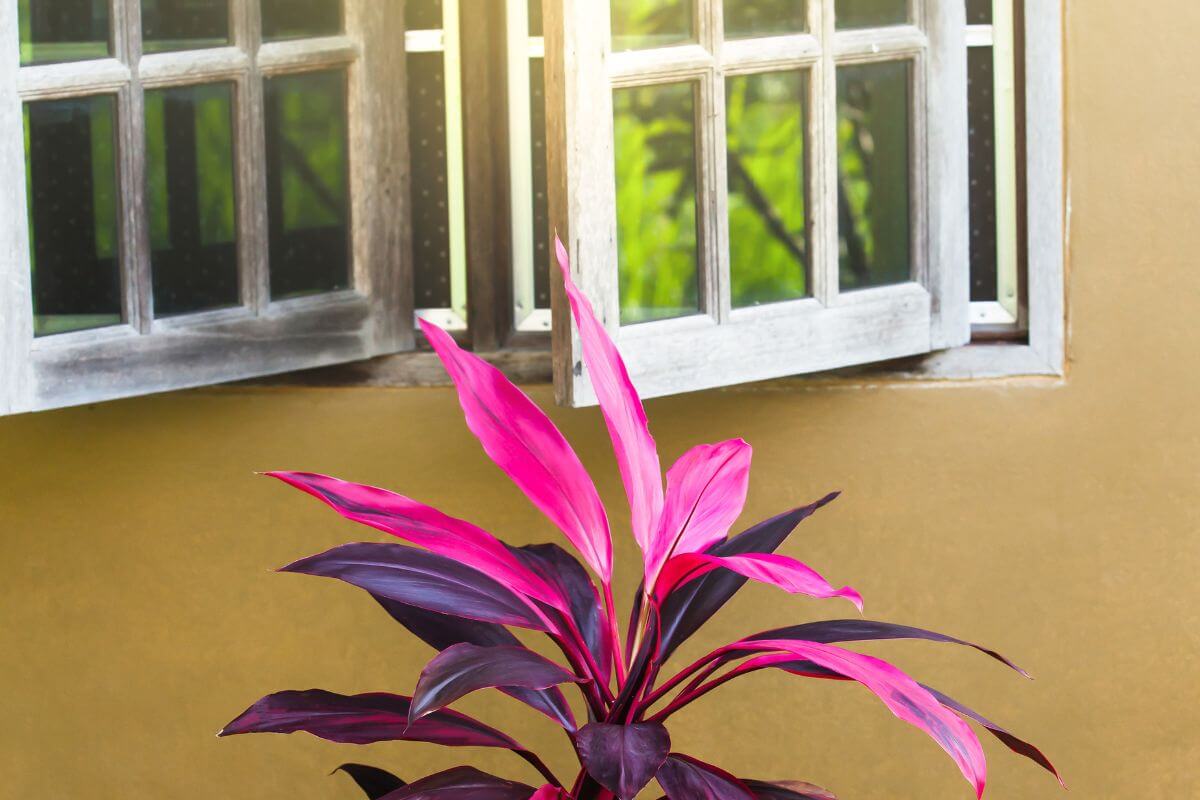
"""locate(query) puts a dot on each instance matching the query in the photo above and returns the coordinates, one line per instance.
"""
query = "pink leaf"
(522, 440)
(903, 696)
(706, 489)
(426, 527)
(787, 573)
(623, 413)
(547, 792)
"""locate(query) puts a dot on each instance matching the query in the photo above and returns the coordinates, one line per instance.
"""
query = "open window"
(206, 191)
(755, 189)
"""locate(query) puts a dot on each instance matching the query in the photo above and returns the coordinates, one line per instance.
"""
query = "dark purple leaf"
(442, 630)
(623, 758)
(363, 719)
(787, 790)
(689, 607)
(462, 783)
(1017, 745)
(863, 630)
(464, 668)
(423, 579)
(563, 572)
(374, 782)
(685, 778)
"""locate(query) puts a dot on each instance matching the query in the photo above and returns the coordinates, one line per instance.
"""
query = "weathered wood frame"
(260, 336)
(721, 345)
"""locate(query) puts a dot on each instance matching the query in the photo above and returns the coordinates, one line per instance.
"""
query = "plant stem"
(540, 766)
(610, 611)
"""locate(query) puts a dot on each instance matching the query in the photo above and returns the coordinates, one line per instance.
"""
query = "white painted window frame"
(448, 42)
(723, 346)
(1047, 210)
(261, 336)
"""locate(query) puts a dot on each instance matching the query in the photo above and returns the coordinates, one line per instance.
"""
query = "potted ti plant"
(460, 589)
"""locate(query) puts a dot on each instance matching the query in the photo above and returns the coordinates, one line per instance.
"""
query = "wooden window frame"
(143, 354)
(723, 346)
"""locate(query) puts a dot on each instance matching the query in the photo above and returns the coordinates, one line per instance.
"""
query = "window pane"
(541, 200)
(430, 192)
(297, 19)
(873, 174)
(639, 24)
(655, 141)
(767, 117)
(190, 198)
(871, 13)
(747, 18)
(307, 207)
(184, 24)
(63, 30)
(535, 18)
(71, 174)
(423, 15)
(979, 12)
(982, 165)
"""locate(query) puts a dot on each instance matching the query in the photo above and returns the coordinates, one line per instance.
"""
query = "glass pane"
(423, 15)
(655, 140)
(982, 166)
(871, 13)
(184, 24)
(190, 198)
(298, 19)
(71, 175)
(638, 24)
(535, 18)
(63, 30)
(873, 174)
(979, 12)
(430, 192)
(307, 208)
(767, 118)
(541, 200)
(748, 18)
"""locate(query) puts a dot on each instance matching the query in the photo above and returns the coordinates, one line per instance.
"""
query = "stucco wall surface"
(1056, 522)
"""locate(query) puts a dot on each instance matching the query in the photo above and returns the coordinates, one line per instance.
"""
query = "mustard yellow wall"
(1057, 523)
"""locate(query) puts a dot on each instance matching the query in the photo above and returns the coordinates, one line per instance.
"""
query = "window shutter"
(725, 340)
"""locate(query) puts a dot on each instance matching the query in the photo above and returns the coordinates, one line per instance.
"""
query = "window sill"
(975, 362)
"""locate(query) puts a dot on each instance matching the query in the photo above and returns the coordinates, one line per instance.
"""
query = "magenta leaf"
(465, 668)
(363, 719)
(442, 630)
(787, 790)
(690, 606)
(637, 457)
(864, 630)
(568, 577)
(706, 489)
(423, 526)
(462, 783)
(424, 579)
(685, 778)
(903, 696)
(623, 758)
(523, 442)
(373, 781)
(783, 572)
(1012, 742)
(548, 792)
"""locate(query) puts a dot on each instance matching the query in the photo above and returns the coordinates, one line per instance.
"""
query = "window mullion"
(134, 250)
(250, 159)
(823, 137)
(713, 202)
